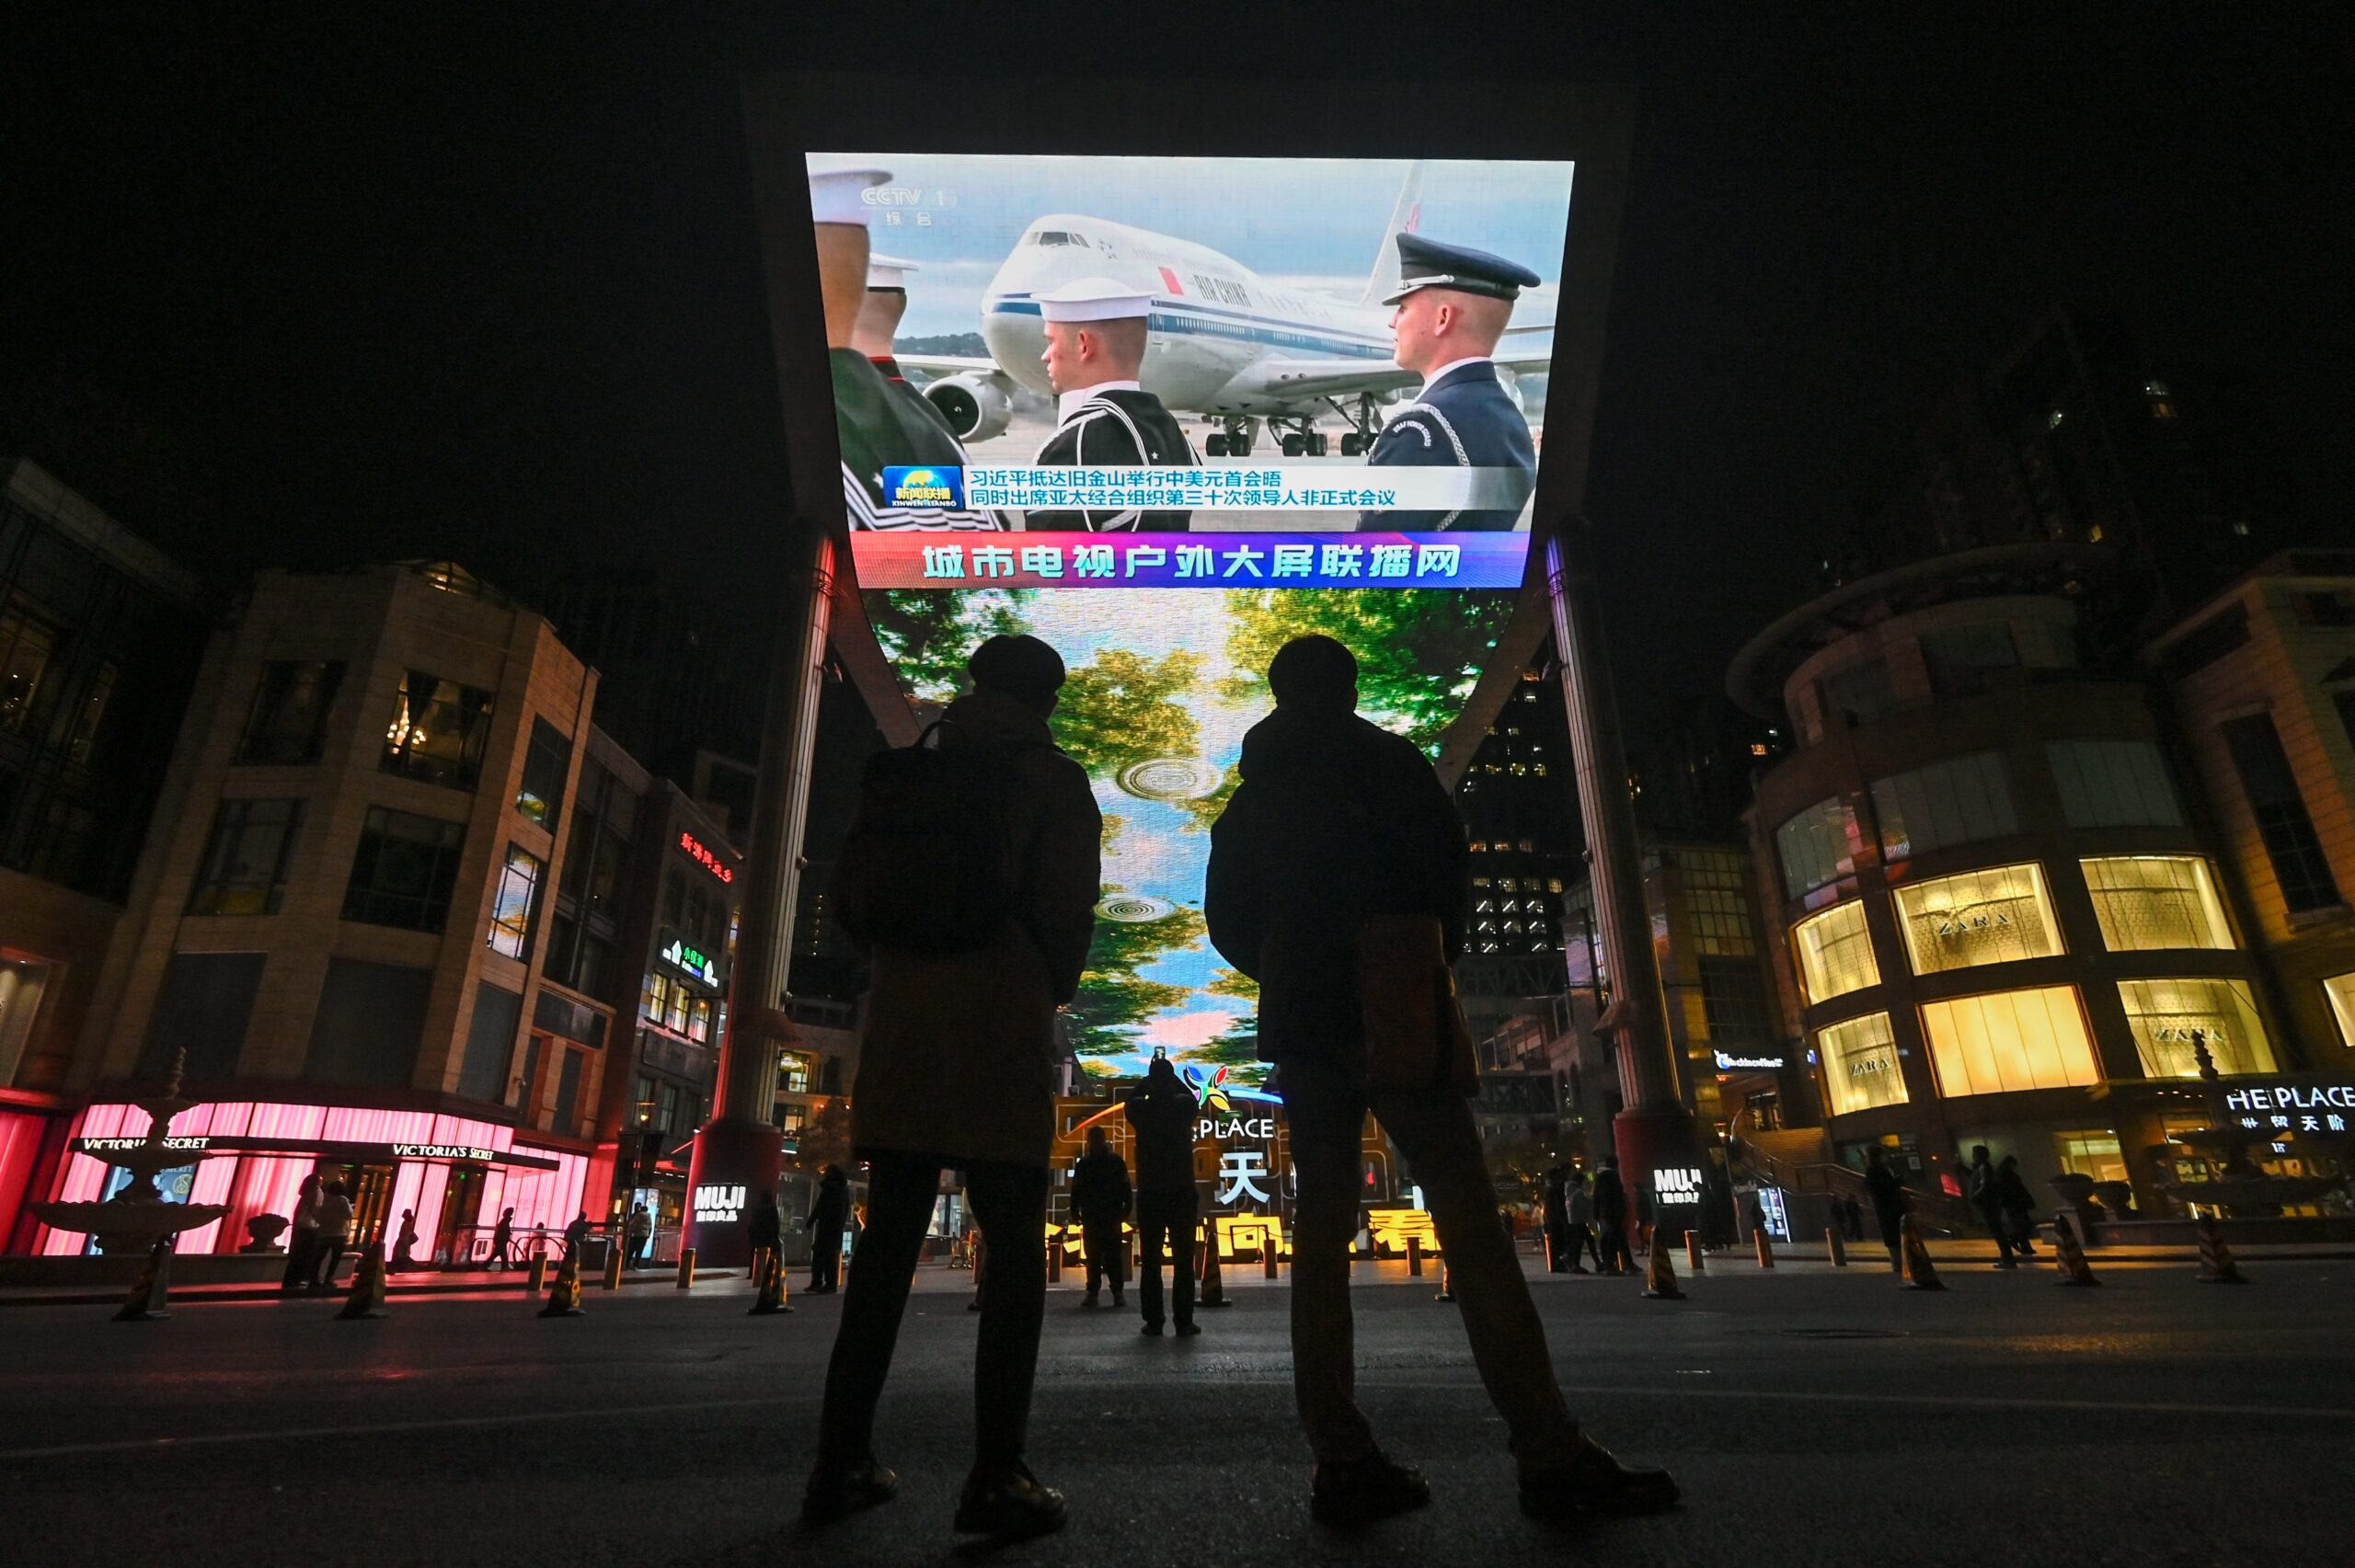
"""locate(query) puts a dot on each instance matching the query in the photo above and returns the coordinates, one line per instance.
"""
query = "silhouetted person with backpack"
(1161, 1114)
(1100, 1194)
(1337, 880)
(1611, 1254)
(971, 872)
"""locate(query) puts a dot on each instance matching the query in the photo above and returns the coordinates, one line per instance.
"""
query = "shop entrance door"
(453, 1233)
(370, 1189)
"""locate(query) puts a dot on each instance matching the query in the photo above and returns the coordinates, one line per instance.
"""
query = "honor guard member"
(1451, 309)
(876, 425)
(878, 326)
(1095, 338)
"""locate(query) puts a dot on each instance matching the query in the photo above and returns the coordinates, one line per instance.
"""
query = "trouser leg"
(900, 1200)
(1178, 1224)
(1436, 1133)
(1012, 1202)
(1325, 1112)
(1152, 1233)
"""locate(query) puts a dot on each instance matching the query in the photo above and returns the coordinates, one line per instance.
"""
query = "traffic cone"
(1834, 1248)
(151, 1292)
(1659, 1276)
(367, 1298)
(1696, 1260)
(2068, 1256)
(564, 1295)
(1766, 1247)
(1214, 1290)
(1920, 1273)
(2216, 1265)
(771, 1299)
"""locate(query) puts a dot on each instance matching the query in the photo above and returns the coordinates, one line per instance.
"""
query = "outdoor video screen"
(1158, 413)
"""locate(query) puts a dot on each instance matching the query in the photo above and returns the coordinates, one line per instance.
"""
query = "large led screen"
(1278, 451)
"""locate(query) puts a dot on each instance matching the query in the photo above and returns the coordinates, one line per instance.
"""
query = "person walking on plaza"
(334, 1211)
(405, 1244)
(502, 1241)
(2018, 1203)
(1100, 1196)
(1559, 1255)
(1889, 1204)
(1986, 1189)
(1611, 1254)
(1161, 1116)
(301, 1236)
(973, 949)
(1579, 1203)
(576, 1236)
(829, 1212)
(638, 1232)
(764, 1229)
(1336, 881)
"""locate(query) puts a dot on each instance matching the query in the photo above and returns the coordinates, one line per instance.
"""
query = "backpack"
(925, 868)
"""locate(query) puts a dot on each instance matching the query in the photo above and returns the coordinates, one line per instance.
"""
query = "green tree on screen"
(1120, 709)
(928, 633)
(1418, 650)
(1113, 998)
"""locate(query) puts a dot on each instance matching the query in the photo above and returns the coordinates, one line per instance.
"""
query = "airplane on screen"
(1221, 341)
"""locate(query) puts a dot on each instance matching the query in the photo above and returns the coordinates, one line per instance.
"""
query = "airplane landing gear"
(1236, 439)
(1300, 437)
(1359, 440)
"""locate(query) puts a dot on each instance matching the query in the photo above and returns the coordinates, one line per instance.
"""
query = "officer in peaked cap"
(879, 427)
(878, 325)
(1096, 342)
(1451, 309)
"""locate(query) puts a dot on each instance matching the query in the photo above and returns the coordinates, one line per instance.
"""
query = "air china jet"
(1221, 341)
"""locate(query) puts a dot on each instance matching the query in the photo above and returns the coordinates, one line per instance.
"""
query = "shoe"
(837, 1494)
(1010, 1505)
(1593, 1482)
(1359, 1492)
(1152, 1331)
(2008, 1263)
(1575, 1269)
(1187, 1331)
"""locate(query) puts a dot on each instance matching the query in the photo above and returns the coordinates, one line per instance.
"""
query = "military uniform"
(1114, 424)
(1463, 417)
(879, 429)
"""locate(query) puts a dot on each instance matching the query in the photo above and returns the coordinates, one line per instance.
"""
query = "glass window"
(1951, 803)
(1978, 917)
(84, 735)
(22, 982)
(2280, 812)
(699, 1019)
(2150, 901)
(1961, 658)
(404, 870)
(1836, 952)
(2008, 1041)
(2114, 784)
(244, 871)
(27, 647)
(438, 731)
(2340, 989)
(793, 1073)
(515, 903)
(2091, 1151)
(545, 765)
(2170, 1016)
(1856, 694)
(288, 723)
(1860, 1066)
(1733, 1000)
(1818, 845)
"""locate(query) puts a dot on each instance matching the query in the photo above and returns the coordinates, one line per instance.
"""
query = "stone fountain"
(2239, 1188)
(139, 1216)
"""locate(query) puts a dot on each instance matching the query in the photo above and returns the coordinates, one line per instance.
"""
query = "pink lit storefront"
(457, 1173)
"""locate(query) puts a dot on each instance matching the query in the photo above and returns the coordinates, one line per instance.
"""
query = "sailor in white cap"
(1096, 340)
(878, 325)
(879, 427)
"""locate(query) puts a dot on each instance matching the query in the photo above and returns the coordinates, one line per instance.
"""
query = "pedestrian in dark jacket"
(576, 1236)
(764, 1230)
(1161, 1118)
(303, 1236)
(1558, 1256)
(1100, 1194)
(1338, 821)
(2018, 1203)
(829, 1212)
(1985, 1191)
(1611, 1252)
(1889, 1204)
(957, 1069)
(502, 1241)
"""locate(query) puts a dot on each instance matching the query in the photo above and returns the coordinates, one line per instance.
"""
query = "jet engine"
(975, 407)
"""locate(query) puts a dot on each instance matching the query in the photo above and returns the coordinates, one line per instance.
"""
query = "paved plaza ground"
(1814, 1417)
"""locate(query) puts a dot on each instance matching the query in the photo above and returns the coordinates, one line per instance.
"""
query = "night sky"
(489, 288)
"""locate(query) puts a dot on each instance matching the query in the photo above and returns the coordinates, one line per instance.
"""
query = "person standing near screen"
(878, 328)
(878, 427)
(1096, 340)
(1449, 311)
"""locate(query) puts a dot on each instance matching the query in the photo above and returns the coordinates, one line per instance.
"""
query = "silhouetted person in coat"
(1161, 1115)
(1100, 1196)
(829, 1212)
(1889, 1204)
(1611, 1219)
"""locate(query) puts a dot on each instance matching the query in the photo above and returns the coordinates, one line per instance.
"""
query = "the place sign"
(1234, 1127)
(1729, 1062)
